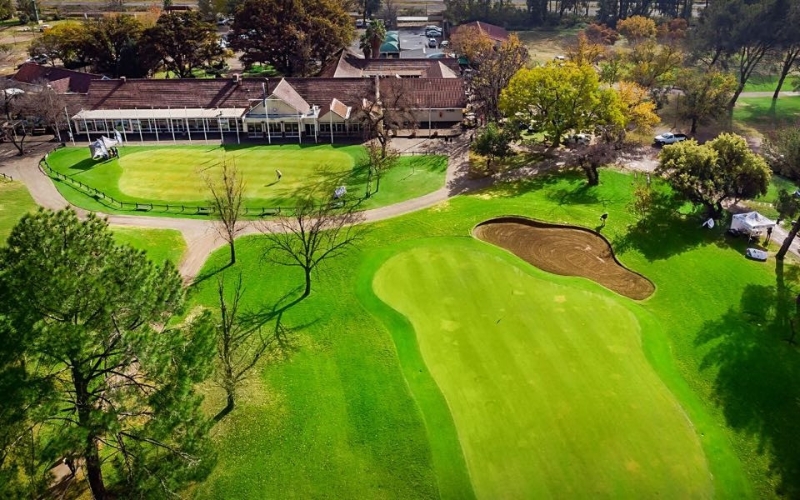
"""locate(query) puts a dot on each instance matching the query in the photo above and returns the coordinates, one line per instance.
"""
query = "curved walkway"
(202, 237)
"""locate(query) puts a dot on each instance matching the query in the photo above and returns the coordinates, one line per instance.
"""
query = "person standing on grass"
(278, 174)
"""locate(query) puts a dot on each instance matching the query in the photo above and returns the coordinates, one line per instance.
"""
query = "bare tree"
(227, 197)
(315, 233)
(14, 125)
(241, 344)
(387, 110)
(378, 162)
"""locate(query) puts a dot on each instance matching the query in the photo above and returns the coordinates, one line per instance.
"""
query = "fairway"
(179, 175)
(549, 388)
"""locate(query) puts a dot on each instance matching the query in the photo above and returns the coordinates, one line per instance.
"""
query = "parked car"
(669, 138)
(444, 44)
(432, 43)
(360, 23)
(433, 32)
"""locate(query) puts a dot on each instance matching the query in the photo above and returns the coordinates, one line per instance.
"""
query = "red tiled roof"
(227, 93)
(424, 93)
(350, 65)
(285, 92)
(496, 33)
(77, 82)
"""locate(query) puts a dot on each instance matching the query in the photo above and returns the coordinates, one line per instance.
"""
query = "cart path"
(201, 236)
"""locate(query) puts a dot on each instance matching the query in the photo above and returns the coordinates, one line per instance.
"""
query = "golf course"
(437, 365)
(179, 175)
(508, 343)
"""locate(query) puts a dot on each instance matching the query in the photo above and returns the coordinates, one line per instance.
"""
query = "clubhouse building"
(305, 110)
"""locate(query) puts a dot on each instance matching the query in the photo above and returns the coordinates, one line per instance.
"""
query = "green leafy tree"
(492, 143)
(112, 45)
(91, 331)
(296, 36)
(27, 11)
(711, 173)
(782, 150)
(705, 94)
(739, 33)
(371, 7)
(370, 42)
(65, 42)
(6, 9)
(560, 97)
(786, 204)
(184, 42)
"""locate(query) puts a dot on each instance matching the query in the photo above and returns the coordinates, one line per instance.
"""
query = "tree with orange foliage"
(584, 51)
(601, 34)
(636, 29)
(493, 65)
(640, 110)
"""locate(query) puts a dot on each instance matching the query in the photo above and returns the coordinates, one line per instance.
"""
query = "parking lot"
(413, 43)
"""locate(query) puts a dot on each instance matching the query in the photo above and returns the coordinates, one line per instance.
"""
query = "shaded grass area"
(759, 111)
(177, 175)
(160, 244)
(15, 201)
(541, 382)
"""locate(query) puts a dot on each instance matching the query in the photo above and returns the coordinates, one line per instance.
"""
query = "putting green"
(185, 179)
(545, 378)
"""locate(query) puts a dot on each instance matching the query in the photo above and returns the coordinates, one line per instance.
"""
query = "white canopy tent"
(99, 148)
(751, 223)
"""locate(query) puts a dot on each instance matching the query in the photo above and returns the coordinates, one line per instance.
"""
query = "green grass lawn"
(15, 201)
(766, 83)
(160, 244)
(177, 175)
(758, 112)
(549, 388)
(360, 409)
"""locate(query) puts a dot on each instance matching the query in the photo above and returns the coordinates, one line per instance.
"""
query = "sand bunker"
(565, 250)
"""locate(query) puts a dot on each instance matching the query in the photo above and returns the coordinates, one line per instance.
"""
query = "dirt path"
(202, 237)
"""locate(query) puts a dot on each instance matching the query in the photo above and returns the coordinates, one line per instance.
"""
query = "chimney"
(123, 79)
(237, 78)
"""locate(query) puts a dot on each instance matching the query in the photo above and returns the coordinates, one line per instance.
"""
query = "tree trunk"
(377, 182)
(308, 282)
(788, 241)
(94, 472)
(786, 67)
(694, 126)
(91, 457)
(231, 401)
(233, 251)
(739, 89)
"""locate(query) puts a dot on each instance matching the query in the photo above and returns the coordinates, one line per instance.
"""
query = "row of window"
(150, 126)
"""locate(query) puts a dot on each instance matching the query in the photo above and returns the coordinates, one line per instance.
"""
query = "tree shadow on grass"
(85, 164)
(757, 383)
(665, 231)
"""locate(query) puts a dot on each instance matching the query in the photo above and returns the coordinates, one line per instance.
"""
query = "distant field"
(758, 112)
